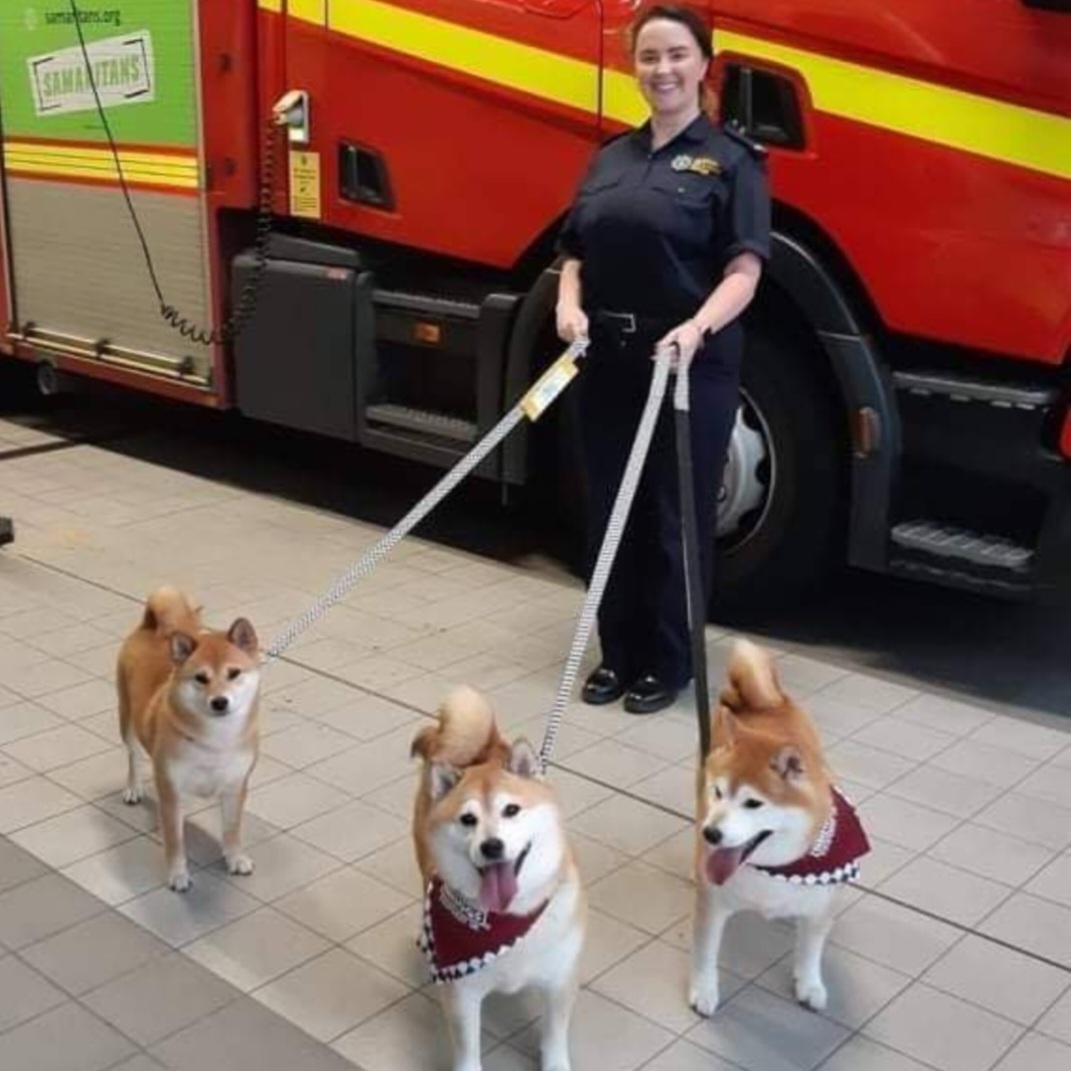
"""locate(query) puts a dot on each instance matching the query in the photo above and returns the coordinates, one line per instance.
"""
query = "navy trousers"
(643, 619)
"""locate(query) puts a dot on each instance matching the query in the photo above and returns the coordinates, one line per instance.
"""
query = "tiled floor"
(954, 955)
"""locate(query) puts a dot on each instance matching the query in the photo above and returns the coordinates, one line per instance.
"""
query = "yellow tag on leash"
(548, 386)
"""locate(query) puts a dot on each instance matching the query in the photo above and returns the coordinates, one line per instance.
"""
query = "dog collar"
(834, 856)
(459, 938)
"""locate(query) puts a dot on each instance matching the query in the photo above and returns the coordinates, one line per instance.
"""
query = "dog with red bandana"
(504, 907)
(773, 833)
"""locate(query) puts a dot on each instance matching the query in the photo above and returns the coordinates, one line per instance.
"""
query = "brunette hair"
(693, 22)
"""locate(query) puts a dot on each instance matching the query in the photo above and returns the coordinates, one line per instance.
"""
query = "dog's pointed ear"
(182, 646)
(243, 636)
(523, 760)
(442, 777)
(724, 728)
(788, 762)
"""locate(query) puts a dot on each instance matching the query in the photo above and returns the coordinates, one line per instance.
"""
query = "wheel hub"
(748, 483)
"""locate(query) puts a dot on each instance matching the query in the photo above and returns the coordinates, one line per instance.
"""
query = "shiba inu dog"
(504, 908)
(189, 696)
(773, 834)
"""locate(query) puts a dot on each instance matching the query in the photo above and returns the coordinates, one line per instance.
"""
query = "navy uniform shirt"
(654, 230)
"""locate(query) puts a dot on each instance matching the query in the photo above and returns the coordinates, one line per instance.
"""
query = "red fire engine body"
(905, 396)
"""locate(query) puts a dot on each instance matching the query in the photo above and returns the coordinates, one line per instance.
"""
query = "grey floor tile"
(643, 896)
(16, 865)
(343, 904)
(867, 765)
(761, 1032)
(179, 918)
(893, 936)
(999, 979)
(950, 793)
(942, 1031)
(998, 856)
(605, 1035)
(408, 1036)
(858, 988)
(1032, 820)
(904, 739)
(1037, 1053)
(32, 800)
(1056, 1022)
(627, 825)
(1022, 738)
(24, 994)
(123, 872)
(1034, 925)
(944, 715)
(283, 864)
(93, 952)
(945, 891)
(653, 982)
(246, 1035)
(862, 1054)
(42, 907)
(160, 998)
(256, 949)
(353, 831)
(332, 994)
(684, 1056)
(904, 823)
(141, 1062)
(1054, 882)
(392, 946)
(996, 766)
(67, 1038)
(73, 836)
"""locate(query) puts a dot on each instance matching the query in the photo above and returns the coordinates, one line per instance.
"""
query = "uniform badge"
(681, 163)
(705, 165)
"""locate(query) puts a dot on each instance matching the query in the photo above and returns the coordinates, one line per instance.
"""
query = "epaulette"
(733, 129)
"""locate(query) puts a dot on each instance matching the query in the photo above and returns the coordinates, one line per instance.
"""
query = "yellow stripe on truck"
(1040, 141)
(506, 62)
(68, 161)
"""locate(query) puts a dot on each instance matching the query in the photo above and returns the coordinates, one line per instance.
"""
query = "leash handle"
(615, 529)
(693, 571)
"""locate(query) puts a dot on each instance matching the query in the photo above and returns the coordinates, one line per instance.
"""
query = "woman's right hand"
(572, 322)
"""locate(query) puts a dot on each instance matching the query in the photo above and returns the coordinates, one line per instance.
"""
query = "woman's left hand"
(682, 342)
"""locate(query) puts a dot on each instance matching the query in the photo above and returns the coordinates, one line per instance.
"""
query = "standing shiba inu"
(504, 908)
(189, 696)
(772, 833)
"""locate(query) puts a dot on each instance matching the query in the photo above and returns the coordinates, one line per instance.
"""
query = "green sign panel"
(141, 55)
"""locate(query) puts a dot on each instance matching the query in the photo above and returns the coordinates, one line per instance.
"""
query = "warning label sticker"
(305, 185)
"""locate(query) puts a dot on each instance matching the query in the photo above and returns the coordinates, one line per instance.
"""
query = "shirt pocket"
(691, 191)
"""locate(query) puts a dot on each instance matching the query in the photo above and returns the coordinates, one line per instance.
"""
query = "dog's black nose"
(492, 849)
(220, 703)
(712, 835)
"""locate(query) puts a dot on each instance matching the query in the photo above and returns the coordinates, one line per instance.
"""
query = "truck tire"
(780, 507)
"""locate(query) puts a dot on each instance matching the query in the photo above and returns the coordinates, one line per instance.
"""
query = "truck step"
(422, 421)
(958, 546)
(426, 305)
(960, 389)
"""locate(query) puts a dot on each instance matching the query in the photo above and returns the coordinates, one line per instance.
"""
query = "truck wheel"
(779, 510)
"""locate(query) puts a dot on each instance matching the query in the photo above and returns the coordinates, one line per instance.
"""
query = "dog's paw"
(132, 795)
(180, 879)
(240, 864)
(704, 998)
(811, 993)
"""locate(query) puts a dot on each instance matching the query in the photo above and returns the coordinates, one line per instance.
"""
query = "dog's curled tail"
(753, 683)
(465, 735)
(168, 611)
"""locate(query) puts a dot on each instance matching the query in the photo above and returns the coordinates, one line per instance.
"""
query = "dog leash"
(693, 573)
(530, 406)
(615, 529)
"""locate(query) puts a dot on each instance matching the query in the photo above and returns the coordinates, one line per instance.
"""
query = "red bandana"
(460, 938)
(834, 856)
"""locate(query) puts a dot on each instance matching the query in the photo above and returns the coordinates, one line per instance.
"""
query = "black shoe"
(602, 686)
(649, 695)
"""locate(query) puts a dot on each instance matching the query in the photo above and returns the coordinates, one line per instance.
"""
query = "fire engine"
(339, 216)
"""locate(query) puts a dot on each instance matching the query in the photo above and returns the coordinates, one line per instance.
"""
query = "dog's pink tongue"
(722, 864)
(498, 887)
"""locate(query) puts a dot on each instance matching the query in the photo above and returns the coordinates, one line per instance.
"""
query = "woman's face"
(669, 66)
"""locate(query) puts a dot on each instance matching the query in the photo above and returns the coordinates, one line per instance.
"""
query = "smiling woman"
(664, 248)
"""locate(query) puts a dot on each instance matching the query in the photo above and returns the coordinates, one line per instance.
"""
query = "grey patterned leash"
(693, 572)
(541, 394)
(615, 529)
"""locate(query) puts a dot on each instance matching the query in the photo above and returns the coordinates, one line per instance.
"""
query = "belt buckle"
(629, 321)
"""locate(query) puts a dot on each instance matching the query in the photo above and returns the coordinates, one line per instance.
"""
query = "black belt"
(631, 323)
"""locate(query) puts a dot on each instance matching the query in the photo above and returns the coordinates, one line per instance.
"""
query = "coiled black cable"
(246, 304)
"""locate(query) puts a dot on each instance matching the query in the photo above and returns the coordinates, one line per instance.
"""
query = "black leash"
(693, 573)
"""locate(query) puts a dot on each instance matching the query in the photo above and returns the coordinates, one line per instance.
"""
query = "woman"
(664, 246)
